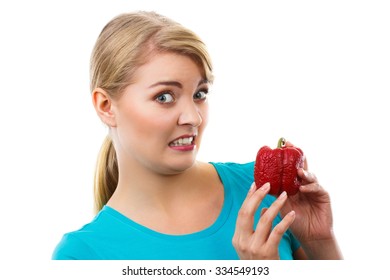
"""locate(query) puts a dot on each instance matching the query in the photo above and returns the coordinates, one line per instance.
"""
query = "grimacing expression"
(161, 116)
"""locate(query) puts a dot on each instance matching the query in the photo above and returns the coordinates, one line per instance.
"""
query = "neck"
(180, 203)
(142, 188)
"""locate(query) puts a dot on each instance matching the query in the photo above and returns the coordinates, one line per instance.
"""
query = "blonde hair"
(125, 44)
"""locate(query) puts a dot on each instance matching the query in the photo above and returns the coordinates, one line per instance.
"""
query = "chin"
(180, 165)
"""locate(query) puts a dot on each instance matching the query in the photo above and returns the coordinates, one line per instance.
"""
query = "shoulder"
(72, 248)
(238, 177)
(235, 170)
(80, 244)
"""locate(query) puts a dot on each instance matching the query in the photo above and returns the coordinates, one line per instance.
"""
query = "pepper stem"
(282, 143)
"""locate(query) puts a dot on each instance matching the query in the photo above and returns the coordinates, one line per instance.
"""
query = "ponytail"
(106, 174)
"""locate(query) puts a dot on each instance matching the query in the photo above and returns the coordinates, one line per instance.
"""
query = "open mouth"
(183, 141)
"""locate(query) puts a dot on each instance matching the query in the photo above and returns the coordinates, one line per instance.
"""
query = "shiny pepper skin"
(279, 167)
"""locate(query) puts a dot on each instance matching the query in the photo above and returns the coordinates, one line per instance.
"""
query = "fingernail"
(282, 195)
(292, 213)
(252, 187)
(265, 187)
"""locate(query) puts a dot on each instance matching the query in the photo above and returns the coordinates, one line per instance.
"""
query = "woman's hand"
(313, 209)
(263, 242)
(313, 225)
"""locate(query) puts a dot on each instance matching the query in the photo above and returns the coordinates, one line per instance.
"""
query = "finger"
(264, 225)
(289, 144)
(310, 188)
(278, 231)
(305, 164)
(307, 176)
(252, 189)
(245, 219)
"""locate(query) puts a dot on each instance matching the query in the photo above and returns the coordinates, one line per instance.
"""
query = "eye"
(201, 94)
(165, 97)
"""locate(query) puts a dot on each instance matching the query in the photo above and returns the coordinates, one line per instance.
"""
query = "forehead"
(168, 66)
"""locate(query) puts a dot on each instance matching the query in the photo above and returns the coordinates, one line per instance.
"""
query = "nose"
(190, 115)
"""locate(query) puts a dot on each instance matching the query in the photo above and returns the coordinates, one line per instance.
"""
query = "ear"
(103, 106)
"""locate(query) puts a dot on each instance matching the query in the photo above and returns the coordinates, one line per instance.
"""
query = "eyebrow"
(175, 83)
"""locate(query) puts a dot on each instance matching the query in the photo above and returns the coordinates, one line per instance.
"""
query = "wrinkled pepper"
(279, 167)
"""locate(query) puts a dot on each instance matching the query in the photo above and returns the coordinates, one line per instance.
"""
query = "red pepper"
(279, 167)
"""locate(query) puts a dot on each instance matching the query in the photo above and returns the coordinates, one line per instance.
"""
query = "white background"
(315, 72)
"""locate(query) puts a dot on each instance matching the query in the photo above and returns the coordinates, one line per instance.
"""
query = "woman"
(150, 78)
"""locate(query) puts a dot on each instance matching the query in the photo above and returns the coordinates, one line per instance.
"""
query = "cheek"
(143, 122)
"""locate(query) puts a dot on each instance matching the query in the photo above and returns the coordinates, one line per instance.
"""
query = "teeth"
(182, 141)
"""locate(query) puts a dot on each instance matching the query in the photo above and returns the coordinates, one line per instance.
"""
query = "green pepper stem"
(281, 143)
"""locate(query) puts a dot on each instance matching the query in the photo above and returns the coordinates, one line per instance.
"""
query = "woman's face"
(161, 116)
